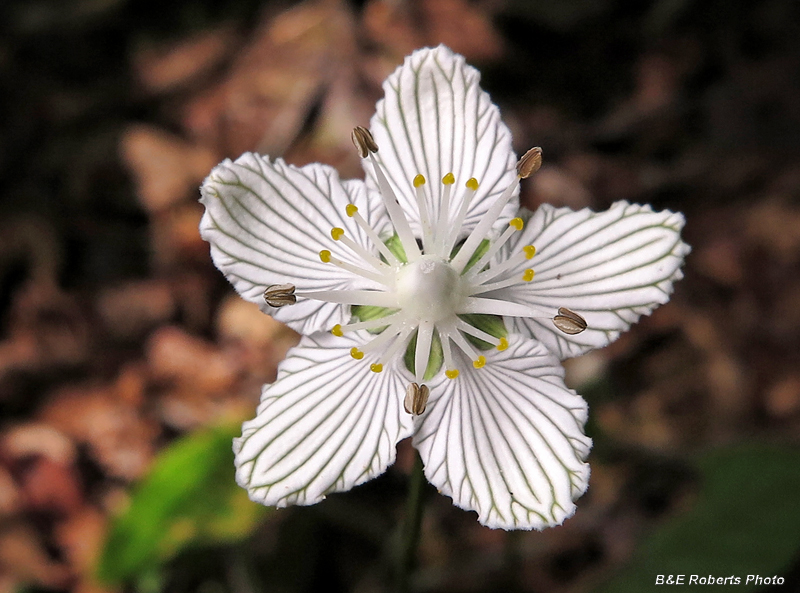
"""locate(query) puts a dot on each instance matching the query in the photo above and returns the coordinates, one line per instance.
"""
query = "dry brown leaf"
(175, 356)
(275, 82)
(129, 310)
(165, 67)
(80, 536)
(167, 169)
(23, 556)
(118, 435)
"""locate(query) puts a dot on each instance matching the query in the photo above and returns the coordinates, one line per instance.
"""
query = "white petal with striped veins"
(435, 120)
(267, 222)
(507, 440)
(327, 424)
(610, 267)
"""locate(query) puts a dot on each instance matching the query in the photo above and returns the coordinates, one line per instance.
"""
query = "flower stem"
(409, 536)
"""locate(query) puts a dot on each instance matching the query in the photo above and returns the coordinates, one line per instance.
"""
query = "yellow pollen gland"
(480, 363)
(337, 233)
(419, 180)
(530, 251)
(376, 368)
(516, 223)
(356, 353)
(451, 373)
(351, 209)
(337, 330)
(325, 256)
(527, 275)
(502, 345)
(472, 184)
(449, 179)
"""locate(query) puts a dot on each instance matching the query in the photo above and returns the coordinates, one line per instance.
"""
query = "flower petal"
(327, 424)
(435, 120)
(267, 222)
(610, 267)
(507, 440)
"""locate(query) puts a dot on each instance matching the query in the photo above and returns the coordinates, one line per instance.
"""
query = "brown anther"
(363, 141)
(279, 295)
(416, 399)
(569, 321)
(529, 163)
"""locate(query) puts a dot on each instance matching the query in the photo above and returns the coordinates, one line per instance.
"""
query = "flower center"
(428, 289)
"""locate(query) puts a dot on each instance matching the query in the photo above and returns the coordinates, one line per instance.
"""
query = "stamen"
(442, 226)
(424, 216)
(339, 330)
(529, 163)
(477, 333)
(569, 321)
(480, 362)
(373, 298)
(385, 279)
(497, 307)
(527, 253)
(527, 276)
(479, 232)
(416, 399)
(338, 235)
(462, 343)
(356, 353)
(513, 226)
(423, 349)
(399, 343)
(455, 228)
(352, 212)
(385, 336)
(363, 141)
(396, 213)
(503, 344)
(279, 295)
(451, 372)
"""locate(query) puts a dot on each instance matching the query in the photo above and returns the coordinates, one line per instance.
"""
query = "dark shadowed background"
(127, 362)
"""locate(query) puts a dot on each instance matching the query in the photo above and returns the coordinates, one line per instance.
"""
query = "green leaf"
(368, 312)
(189, 498)
(746, 521)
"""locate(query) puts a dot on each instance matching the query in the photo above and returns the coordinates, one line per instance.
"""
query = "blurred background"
(127, 362)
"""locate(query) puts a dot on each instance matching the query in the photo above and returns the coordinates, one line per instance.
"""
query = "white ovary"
(429, 289)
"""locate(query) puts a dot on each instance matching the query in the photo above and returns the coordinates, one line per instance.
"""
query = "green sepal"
(491, 324)
(367, 312)
(435, 361)
(395, 245)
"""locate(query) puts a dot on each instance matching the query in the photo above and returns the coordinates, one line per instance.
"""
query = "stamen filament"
(423, 352)
(487, 257)
(424, 216)
(394, 349)
(365, 255)
(526, 276)
(442, 227)
(390, 257)
(476, 333)
(396, 213)
(369, 323)
(449, 364)
(373, 298)
(479, 232)
(388, 334)
(472, 186)
(462, 343)
(497, 307)
(385, 279)
(511, 262)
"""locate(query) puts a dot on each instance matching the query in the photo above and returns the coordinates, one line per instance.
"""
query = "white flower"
(420, 282)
